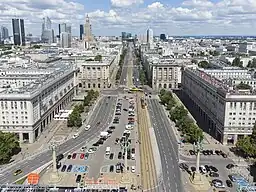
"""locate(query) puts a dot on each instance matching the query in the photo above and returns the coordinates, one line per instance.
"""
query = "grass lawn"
(21, 181)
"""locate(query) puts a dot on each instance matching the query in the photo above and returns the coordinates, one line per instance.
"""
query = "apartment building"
(31, 95)
(166, 73)
(95, 74)
(227, 112)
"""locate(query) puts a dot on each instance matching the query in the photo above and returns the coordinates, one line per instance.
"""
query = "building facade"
(29, 98)
(81, 34)
(228, 113)
(65, 40)
(18, 32)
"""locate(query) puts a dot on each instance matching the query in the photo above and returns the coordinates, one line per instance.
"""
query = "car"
(133, 150)
(224, 155)
(218, 183)
(213, 174)
(74, 156)
(90, 150)
(112, 127)
(75, 135)
(128, 156)
(17, 172)
(191, 152)
(207, 168)
(63, 169)
(69, 156)
(69, 168)
(133, 169)
(78, 178)
(183, 166)
(87, 127)
(193, 169)
(86, 156)
(98, 122)
(109, 131)
(202, 169)
(119, 155)
(82, 156)
(83, 148)
(229, 183)
(58, 164)
(95, 144)
(59, 157)
(111, 168)
(125, 109)
(213, 168)
(111, 156)
(230, 166)
(133, 156)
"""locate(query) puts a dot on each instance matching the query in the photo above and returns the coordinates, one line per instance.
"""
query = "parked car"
(230, 166)
(191, 152)
(213, 174)
(63, 169)
(111, 168)
(213, 168)
(229, 183)
(69, 168)
(82, 156)
(119, 155)
(74, 156)
(86, 156)
(78, 178)
(69, 156)
(111, 156)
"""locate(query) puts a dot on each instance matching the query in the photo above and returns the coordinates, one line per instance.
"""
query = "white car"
(75, 135)
(83, 148)
(90, 151)
(133, 169)
(133, 156)
(203, 169)
(87, 127)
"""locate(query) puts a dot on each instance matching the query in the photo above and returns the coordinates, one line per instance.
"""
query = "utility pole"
(54, 176)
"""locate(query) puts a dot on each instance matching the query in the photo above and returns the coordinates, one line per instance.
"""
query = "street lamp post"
(196, 178)
(54, 176)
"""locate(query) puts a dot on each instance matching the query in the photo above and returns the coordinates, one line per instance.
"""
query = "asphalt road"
(28, 166)
(168, 148)
(127, 59)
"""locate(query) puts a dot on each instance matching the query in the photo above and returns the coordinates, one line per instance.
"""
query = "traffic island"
(200, 182)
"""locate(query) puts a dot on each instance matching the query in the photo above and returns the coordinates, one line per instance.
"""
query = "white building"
(227, 112)
(150, 38)
(31, 96)
(65, 40)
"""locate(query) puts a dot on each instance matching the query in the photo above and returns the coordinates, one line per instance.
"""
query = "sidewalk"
(56, 131)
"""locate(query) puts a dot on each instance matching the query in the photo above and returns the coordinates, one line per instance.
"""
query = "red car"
(82, 156)
(74, 156)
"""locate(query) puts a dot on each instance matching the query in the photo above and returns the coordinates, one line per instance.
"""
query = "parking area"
(218, 175)
(113, 152)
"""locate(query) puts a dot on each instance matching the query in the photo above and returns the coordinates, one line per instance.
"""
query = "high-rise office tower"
(65, 40)
(150, 37)
(88, 33)
(68, 29)
(4, 33)
(18, 31)
(47, 31)
(81, 31)
(163, 37)
(62, 28)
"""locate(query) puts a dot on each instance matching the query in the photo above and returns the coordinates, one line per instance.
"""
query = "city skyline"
(190, 17)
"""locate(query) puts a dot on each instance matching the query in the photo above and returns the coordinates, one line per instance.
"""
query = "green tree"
(98, 58)
(9, 145)
(237, 62)
(245, 145)
(204, 64)
(178, 113)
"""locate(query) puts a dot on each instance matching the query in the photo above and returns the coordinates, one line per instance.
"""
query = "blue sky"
(111, 17)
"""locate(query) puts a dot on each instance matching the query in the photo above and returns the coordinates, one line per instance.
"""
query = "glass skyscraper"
(18, 31)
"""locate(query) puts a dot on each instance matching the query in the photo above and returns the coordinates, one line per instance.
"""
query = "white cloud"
(156, 5)
(125, 3)
(198, 3)
(190, 17)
